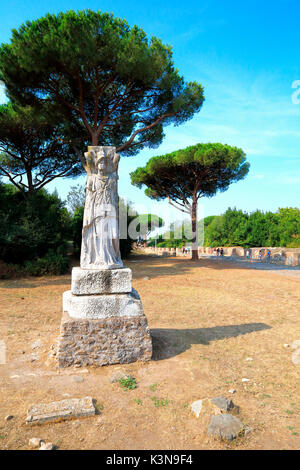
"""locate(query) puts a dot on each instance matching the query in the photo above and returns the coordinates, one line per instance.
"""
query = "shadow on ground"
(153, 266)
(170, 342)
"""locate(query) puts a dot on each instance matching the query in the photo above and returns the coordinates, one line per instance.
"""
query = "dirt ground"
(206, 318)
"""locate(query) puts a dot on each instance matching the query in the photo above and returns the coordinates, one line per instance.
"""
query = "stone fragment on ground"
(35, 442)
(225, 426)
(8, 417)
(223, 403)
(296, 357)
(213, 406)
(296, 344)
(47, 446)
(117, 376)
(37, 344)
(232, 391)
(197, 407)
(34, 357)
(61, 410)
(244, 380)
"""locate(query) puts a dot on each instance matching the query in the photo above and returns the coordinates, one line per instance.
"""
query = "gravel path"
(249, 264)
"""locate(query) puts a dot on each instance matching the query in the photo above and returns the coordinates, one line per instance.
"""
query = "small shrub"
(128, 383)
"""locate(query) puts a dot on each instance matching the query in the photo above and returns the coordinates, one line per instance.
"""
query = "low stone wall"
(280, 256)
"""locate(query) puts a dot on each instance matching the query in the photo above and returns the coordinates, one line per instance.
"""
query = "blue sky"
(246, 55)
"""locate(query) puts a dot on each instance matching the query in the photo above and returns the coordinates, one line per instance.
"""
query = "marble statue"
(100, 233)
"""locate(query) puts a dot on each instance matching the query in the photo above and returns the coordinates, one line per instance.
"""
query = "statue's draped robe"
(100, 233)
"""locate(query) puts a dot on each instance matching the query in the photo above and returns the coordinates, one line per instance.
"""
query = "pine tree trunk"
(194, 230)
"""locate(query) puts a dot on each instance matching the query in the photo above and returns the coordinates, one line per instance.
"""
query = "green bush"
(53, 263)
(31, 225)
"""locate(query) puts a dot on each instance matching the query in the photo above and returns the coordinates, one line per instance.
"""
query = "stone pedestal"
(103, 320)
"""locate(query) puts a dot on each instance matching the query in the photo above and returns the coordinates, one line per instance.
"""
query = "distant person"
(218, 251)
(222, 252)
(269, 255)
(260, 255)
(248, 254)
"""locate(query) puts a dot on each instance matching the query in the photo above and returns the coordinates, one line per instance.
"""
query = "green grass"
(153, 387)
(138, 401)
(159, 402)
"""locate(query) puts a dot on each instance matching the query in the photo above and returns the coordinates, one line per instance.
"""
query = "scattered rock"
(286, 345)
(99, 421)
(247, 430)
(296, 344)
(296, 357)
(35, 442)
(47, 446)
(197, 407)
(245, 380)
(117, 376)
(61, 410)
(232, 391)
(8, 417)
(225, 426)
(78, 379)
(37, 344)
(146, 278)
(223, 403)
(34, 357)
(213, 406)
(249, 359)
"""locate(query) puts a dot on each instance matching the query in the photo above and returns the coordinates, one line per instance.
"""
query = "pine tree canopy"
(197, 171)
(119, 86)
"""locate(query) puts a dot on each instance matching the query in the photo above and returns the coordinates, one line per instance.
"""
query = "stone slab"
(101, 281)
(60, 410)
(225, 426)
(102, 306)
(112, 340)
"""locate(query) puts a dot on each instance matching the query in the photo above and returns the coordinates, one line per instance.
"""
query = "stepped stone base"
(101, 281)
(103, 320)
(103, 341)
(102, 306)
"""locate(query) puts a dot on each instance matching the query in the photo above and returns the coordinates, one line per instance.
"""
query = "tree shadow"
(168, 343)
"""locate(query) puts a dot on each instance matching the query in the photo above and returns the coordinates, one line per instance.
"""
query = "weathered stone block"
(103, 341)
(225, 426)
(101, 281)
(60, 410)
(102, 306)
